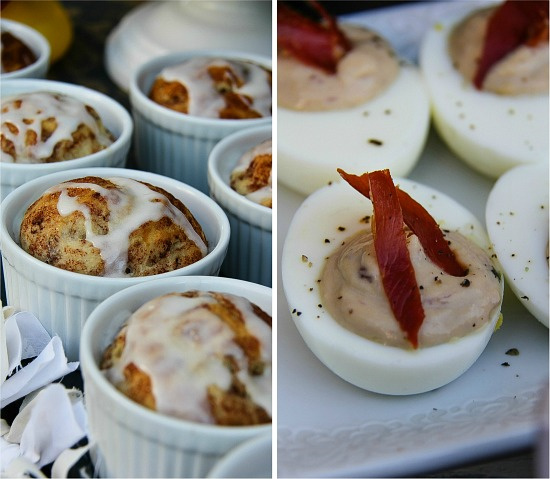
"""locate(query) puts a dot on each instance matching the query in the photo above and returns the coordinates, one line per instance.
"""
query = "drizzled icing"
(265, 192)
(35, 107)
(181, 346)
(205, 100)
(130, 205)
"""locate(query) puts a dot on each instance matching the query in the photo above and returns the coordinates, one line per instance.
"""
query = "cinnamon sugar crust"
(155, 246)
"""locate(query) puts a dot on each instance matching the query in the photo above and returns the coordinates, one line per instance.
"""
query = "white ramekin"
(36, 42)
(133, 441)
(158, 28)
(114, 116)
(250, 459)
(62, 300)
(249, 256)
(172, 143)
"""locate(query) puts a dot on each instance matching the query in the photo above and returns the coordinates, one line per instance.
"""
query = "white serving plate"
(328, 427)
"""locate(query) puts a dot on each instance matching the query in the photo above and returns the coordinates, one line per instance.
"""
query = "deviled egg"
(370, 112)
(492, 114)
(358, 336)
(517, 222)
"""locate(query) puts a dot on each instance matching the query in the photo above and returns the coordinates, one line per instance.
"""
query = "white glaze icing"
(131, 204)
(36, 107)
(205, 100)
(181, 346)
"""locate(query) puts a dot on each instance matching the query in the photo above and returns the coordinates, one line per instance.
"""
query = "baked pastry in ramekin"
(177, 144)
(47, 127)
(60, 144)
(215, 354)
(16, 55)
(252, 176)
(62, 299)
(249, 255)
(113, 227)
(25, 51)
(215, 88)
(135, 441)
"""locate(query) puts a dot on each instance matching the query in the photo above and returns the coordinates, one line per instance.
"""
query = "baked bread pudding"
(252, 175)
(115, 227)
(215, 88)
(16, 55)
(200, 356)
(46, 127)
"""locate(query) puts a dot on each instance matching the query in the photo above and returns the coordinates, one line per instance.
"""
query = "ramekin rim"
(139, 99)
(230, 195)
(38, 40)
(24, 191)
(88, 362)
(119, 111)
(240, 453)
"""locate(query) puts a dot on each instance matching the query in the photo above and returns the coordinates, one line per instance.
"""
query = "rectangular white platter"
(327, 427)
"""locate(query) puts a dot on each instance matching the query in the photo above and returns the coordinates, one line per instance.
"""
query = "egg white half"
(517, 222)
(490, 132)
(313, 234)
(388, 131)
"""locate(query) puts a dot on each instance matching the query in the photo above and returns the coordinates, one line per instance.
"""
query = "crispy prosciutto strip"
(421, 224)
(392, 208)
(430, 235)
(512, 24)
(319, 44)
(390, 244)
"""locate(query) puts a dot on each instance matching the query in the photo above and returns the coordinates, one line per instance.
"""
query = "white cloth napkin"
(23, 337)
(51, 418)
(51, 422)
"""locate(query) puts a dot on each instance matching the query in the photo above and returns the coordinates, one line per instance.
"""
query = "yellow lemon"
(48, 17)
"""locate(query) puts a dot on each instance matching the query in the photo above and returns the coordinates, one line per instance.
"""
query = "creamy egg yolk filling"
(453, 305)
(324, 66)
(361, 75)
(504, 50)
(352, 292)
